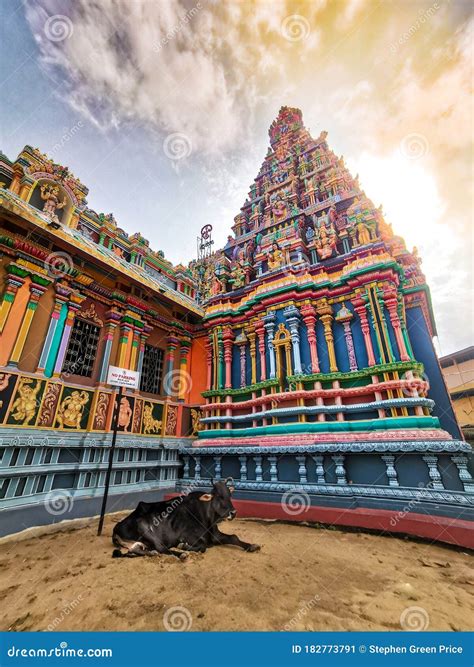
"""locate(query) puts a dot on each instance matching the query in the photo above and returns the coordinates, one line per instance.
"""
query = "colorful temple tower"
(321, 373)
(298, 359)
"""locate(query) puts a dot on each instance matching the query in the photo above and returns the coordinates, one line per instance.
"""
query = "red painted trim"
(431, 527)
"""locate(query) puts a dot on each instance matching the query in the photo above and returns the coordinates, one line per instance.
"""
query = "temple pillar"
(171, 345)
(112, 320)
(126, 331)
(292, 316)
(36, 292)
(209, 347)
(220, 359)
(251, 335)
(60, 303)
(135, 348)
(241, 341)
(309, 318)
(360, 309)
(344, 316)
(228, 338)
(260, 331)
(17, 176)
(144, 335)
(184, 384)
(13, 284)
(73, 306)
(269, 323)
(391, 301)
(325, 315)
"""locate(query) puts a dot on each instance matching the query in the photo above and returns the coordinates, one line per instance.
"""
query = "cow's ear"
(206, 497)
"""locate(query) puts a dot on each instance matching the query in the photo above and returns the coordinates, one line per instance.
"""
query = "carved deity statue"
(363, 233)
(125, 413)
(237, 276)
(50, 196)
(150, 424)
(326, 241)
(276, 257)
(71, 409)
(24, 406)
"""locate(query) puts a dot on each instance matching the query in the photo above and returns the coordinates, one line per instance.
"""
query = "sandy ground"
(304, 578)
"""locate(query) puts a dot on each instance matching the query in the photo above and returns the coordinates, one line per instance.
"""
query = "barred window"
(82, 349)
(152, 370)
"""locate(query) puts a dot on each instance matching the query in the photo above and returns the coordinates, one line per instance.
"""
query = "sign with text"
(123, 377)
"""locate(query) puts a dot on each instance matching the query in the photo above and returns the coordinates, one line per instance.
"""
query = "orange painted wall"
(37, 333)
(15, 317)
(198, 370)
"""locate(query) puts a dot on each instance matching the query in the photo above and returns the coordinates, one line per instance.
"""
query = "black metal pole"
(111, 460)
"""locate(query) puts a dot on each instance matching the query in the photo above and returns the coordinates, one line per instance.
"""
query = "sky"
(162, 108)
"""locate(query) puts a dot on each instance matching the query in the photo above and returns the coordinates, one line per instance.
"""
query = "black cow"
(187, 522)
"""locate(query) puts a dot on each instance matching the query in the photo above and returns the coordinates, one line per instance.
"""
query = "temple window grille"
(152, 370)
(82, 349)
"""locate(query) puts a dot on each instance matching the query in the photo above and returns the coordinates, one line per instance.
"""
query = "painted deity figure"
(125, 413)
(50, 196)
(24, 406)
(237, 276)
(71, 409)
(150, 424)
(276, 258)
(363, 233)
(326, 241)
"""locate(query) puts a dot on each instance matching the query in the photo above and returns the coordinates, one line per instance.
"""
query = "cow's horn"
(229, 480)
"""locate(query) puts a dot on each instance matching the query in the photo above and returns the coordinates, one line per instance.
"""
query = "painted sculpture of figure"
(25, 405)
(50, 196)
(326, 242)
(150, 424)
(276, 257)
(363, 233)
(71, 409)
(125, 413)
(237, 276)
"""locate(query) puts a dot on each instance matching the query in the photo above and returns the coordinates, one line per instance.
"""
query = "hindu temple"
(297, 359)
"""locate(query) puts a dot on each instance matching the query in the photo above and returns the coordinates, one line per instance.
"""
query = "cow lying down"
(186, 522)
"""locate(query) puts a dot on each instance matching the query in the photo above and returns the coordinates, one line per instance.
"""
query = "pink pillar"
(309, 318)
(391, 301)
(209, 364)
(359, 307)
(260, 331)
(228, 339)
